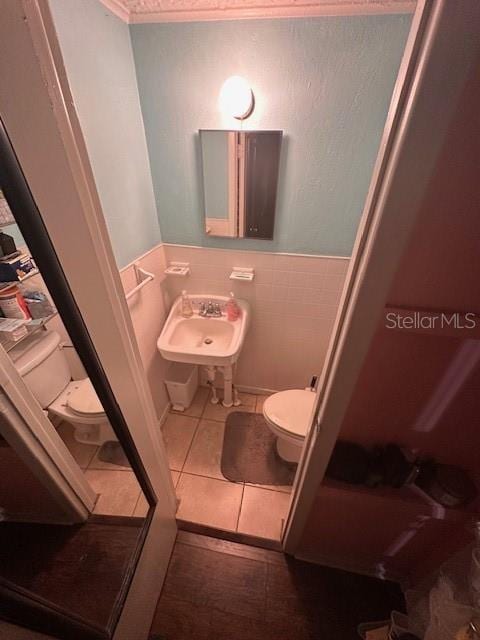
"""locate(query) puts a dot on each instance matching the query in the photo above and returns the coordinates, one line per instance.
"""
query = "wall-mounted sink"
(209, 341)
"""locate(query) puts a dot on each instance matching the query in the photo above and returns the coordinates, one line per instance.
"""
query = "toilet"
(288, 415)
(44, 368)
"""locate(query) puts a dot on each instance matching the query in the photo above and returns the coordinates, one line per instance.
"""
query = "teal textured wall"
(327, 82)
(97, 52)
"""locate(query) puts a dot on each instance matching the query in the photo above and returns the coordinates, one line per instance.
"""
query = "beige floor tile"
(272, 487)
(220, 413)
(141, 508)
(198, 404)
(208, 501)
(259, 403)
(206, 451)
(96, 463)
(178, 432)
(262, 512)
(83, 453)
(119, 491)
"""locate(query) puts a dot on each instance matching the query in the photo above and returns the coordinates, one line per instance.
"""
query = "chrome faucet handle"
(202, 309)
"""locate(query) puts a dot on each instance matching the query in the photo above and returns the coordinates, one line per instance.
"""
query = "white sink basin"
(208, 341)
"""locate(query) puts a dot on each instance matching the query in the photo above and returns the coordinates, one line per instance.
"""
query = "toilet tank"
(42, 365)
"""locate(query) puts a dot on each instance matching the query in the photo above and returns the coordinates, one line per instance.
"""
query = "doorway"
(109, 360)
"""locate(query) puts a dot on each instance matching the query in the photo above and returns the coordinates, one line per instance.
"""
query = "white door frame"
(34, 439)
(424, 98)
(37, 109)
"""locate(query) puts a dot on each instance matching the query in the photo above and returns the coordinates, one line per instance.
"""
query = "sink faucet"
(210, 310)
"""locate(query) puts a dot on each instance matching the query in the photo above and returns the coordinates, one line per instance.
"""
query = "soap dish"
(242, 273)
(178, 269)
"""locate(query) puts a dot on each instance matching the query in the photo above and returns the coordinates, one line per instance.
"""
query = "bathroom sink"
(209, 341)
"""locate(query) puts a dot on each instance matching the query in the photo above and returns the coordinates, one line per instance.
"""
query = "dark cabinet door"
(262, 159)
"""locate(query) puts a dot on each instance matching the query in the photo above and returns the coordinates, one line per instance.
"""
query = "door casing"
(37, 109)
(418, 119)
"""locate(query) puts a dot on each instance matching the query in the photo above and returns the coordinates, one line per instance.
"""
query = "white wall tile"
(293, 300)
(148, 310)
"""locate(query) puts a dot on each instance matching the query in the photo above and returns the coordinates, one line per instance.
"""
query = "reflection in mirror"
(23, 497)
(240, 178)
(76, 548)
(41, 350)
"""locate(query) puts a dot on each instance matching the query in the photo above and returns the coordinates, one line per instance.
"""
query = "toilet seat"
(289, 412)
(71, 410)
(83, 399)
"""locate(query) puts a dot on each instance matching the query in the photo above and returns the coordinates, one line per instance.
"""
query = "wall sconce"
(236, 98)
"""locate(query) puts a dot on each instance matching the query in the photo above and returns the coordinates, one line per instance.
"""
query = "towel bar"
(143, 277)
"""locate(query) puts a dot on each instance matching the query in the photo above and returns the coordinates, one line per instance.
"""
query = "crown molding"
(144, 11)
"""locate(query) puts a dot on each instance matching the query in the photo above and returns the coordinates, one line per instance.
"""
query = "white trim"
(253, 251)
(117, 8)
(260, 9)
(241, 159)
(219, 227)
(392, 205)
(232, 184)
(165, 412)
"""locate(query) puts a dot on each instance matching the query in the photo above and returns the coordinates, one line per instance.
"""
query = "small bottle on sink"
(232, 309)
(187, 309)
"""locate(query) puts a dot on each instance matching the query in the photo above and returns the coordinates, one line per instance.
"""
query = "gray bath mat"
(113, 453)
(249, 453)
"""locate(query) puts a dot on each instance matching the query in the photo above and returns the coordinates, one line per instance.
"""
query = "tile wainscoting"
(148, 310)
(293, 299)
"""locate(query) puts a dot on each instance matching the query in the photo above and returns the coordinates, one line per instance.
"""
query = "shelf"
(32, 327)
(30, 274)
(409, 497)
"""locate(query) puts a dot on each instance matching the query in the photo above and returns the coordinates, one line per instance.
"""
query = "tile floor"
(118, 488)
(194, 440)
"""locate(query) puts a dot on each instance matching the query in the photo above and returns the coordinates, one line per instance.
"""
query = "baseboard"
(164, 415)
(257, 391)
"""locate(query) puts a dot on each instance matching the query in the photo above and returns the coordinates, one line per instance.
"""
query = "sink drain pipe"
(211, 383)
(230, 394)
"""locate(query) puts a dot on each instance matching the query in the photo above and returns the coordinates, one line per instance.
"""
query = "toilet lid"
(84, 400)
(290, 410)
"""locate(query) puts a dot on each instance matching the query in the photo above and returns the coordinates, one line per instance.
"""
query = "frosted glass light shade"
(236, 98)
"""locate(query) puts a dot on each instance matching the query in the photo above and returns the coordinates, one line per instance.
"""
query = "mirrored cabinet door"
(240, 180)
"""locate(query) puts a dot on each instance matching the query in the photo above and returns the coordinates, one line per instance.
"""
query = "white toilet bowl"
(43, 366)
(288, 415)
(79, 405)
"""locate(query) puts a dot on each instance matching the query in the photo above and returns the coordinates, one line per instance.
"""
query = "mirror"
(240, 178)
(72, 510)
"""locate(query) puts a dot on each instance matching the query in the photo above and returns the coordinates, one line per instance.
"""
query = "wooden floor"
(81, 570)
(219, 590)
